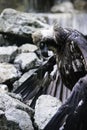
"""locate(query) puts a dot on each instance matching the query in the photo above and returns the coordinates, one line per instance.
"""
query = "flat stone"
(46, 106)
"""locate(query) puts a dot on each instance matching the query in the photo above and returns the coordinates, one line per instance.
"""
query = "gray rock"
(20, 117)
(8, 72)
(25, 48)
(63, 7)
(19, 23)
(8, 53)
(14, 114)
(5, 124)
(27, 60)
(46, 107)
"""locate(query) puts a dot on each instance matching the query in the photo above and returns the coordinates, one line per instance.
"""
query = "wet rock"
(27, 60)
(46, 107)
(8, 54)
(66, 6)
(8, 72)
(25, 48)
(14, 114)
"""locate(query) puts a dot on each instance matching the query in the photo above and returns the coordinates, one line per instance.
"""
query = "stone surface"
(19, 23)
(27, 60)
(25, 48)
(20, 117)
(8, 72)
(63, 7)
(46, 107)
(14, 114)
(8, 53)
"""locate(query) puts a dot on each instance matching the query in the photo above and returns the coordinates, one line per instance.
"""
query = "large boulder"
(17, 24)
(14, 115)
(46, 107)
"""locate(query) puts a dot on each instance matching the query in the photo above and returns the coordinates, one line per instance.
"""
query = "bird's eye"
(42, 45)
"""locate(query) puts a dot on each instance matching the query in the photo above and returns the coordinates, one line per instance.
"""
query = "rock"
(20, 117)
(8, 72)
(27, 60)
(3, 88)
(8, 53)
(14, 114)
(46, 107)
(25, 48)
(7, 102)
(63, 7)
(6, 125)
(19, 23)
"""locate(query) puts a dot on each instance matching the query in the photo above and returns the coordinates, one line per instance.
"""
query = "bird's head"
(49, 39)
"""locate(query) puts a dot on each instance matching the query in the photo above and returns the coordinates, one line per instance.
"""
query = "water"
(76, 21)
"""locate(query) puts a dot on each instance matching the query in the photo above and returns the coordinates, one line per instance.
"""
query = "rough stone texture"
(27, 60)
(27, 48)
(16, 115)
(66, 6)
(46, 107)
(8, 54)
(8, 72)
(7, 102)
(19, 23)
(20, 117)
(7, 125)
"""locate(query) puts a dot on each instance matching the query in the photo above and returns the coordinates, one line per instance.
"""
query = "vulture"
(70, 47)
